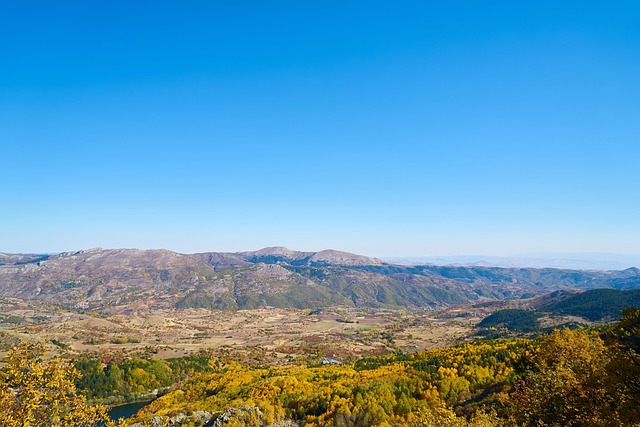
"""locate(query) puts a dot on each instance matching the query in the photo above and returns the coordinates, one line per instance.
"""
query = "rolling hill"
(127, 280)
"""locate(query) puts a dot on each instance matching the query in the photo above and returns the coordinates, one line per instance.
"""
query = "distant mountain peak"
(332, 256)
(274, 251)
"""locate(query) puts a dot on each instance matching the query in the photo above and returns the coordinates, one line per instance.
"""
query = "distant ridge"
(327, 257)
(573, 261)
(130, 280)
(19, 258)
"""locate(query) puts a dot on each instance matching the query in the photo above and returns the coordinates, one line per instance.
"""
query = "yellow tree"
(39, 393)
(568, 385)
(624, 367)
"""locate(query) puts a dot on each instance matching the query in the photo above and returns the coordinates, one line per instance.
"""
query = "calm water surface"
(127, 410)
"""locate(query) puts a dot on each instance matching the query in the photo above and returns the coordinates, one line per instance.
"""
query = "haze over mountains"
(574, 261)
(129, 280)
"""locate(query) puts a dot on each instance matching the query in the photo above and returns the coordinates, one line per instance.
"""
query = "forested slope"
(568, 378)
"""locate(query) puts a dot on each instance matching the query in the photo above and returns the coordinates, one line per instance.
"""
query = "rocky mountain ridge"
(129, 280)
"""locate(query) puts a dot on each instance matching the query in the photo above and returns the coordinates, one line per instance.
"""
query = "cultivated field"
(262, 335)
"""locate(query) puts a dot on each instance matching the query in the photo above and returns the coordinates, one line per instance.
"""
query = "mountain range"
(130, 280)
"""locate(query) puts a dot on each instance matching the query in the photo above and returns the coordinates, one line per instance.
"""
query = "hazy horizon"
(581, 260)
(529, 254)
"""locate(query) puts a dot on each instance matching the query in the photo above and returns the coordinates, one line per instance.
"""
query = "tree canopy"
(41, 393)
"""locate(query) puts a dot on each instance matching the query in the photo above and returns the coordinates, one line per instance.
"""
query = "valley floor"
(274, 336)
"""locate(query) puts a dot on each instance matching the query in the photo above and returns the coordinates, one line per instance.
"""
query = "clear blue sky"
(384, 128)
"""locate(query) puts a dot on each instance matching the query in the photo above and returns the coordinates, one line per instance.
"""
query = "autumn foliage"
(37, 392)
(583, 377)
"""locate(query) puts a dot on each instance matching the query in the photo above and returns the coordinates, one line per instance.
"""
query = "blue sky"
(384, 128)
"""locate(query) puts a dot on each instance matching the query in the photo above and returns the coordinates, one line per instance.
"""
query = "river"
(127, 410)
